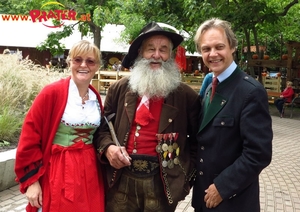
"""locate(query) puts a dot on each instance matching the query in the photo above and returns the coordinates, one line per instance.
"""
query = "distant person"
(206, 82)
(119, 67)
(235, 134)
(115, 66)
(286, 96)
(56, 163)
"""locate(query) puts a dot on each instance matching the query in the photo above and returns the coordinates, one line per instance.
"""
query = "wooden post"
(289, 62)
(280, 45)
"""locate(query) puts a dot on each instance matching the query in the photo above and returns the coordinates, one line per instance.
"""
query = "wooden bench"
(272, 96)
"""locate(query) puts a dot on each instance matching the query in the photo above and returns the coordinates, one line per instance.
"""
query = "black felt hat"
(148, 31)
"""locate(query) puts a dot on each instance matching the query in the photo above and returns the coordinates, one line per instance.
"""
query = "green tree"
(255, 21)
(99, 11)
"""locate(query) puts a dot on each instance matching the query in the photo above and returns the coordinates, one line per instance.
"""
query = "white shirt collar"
(228, 71)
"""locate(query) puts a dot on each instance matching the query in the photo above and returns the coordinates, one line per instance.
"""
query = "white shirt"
(77, 113)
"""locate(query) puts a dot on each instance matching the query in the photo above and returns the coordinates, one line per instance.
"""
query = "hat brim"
(133, 51)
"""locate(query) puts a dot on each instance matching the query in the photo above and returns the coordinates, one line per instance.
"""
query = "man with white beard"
(156, 121)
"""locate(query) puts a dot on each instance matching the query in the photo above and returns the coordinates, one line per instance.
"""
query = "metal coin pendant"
(164, 163)
(165, 147)
(170, 148)
(158, 148)
(170, 164)
(175, 145)
(176, 161)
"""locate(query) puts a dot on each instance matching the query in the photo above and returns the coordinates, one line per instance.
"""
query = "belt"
(143, 165)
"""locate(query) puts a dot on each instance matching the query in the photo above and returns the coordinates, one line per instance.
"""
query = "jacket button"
(200, 173)
(201, 160)
(202, 147)
(170, 120)
(126, 104)
(222, 123)
(232, 196)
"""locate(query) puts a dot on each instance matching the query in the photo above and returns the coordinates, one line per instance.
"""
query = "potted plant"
(284, 57)
(266, 57)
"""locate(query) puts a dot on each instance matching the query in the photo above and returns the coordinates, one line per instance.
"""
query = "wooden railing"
(194, 82)
(272, 83)
(103, 79)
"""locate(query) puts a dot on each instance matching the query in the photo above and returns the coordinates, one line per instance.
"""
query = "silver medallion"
(165, 147)
(175, 145)
(158, 148)
(170, 164)
(164, 163)
(176, 161)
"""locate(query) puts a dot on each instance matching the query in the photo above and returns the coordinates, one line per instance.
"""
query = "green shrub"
(20, 82)
(10, 125)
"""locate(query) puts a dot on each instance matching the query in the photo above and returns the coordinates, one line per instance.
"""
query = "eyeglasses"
(79, 61)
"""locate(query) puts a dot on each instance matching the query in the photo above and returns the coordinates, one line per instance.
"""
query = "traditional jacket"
(234, 144)
(179, 114)
(39, 129)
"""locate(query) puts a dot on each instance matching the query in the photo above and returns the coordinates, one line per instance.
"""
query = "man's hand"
(34, 195)
(117, 156)
(212, 197)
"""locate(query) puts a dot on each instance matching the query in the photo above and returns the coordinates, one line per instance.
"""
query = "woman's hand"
(34, 194)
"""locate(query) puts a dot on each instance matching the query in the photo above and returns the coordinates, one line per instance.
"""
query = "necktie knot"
(213, 88)
(215, 81)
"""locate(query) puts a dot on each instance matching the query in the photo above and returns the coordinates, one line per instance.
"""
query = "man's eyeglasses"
(79, 61)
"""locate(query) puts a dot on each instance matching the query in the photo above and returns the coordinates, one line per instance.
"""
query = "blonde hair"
(216, 23)
(289, 83)
(84, 47)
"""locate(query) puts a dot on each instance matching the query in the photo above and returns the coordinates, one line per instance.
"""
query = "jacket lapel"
(212, 109)
(130, 105)
(219, 101)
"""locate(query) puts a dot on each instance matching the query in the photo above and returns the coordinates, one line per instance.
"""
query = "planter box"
(7, 173)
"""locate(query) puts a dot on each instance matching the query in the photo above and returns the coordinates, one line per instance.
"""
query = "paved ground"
(279, 182)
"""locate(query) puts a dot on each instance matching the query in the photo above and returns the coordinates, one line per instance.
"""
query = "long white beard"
(154, 83)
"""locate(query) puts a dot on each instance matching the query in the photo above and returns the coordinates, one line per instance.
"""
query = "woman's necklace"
(85, 97)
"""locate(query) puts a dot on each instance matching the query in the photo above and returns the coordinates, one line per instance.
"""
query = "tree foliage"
(256, 22)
